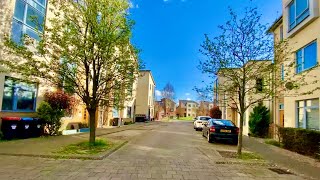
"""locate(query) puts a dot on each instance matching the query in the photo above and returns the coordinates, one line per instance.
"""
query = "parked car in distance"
(220, 129)
(200, 121)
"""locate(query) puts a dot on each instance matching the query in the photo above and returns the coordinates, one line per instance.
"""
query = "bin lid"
(27, 119)
(9, 118)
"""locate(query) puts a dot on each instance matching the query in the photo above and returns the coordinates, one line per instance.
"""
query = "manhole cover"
(280, 171)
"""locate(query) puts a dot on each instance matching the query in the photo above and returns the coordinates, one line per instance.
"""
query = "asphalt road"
(169, 151)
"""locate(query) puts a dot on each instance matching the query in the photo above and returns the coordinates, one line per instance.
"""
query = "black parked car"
(220, 129)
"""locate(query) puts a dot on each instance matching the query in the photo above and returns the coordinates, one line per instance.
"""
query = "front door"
(281, 113)
(234, 116)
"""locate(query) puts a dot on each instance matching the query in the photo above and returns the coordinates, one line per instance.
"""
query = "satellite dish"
(289, 85)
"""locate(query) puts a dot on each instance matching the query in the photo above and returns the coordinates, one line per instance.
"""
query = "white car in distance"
(200, 121)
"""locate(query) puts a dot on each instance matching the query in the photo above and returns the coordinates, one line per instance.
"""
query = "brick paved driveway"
(174, 151)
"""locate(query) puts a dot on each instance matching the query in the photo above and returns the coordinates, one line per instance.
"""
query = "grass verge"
(250, 156)
(244, 155)
(273, 142)
(185, 118)
(85, 148)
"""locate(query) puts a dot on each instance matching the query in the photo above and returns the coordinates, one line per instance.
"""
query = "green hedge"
(302, 141)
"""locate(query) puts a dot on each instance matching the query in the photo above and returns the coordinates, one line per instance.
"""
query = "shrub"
(54, 107)
(215, 112)
(259, 121)
(302, 141)
(51, 118)
(58, 99)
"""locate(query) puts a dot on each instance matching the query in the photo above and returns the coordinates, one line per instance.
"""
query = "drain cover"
(280, 171)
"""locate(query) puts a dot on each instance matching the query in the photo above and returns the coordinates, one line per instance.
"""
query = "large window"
(18, 95)
(306, 57)
(298, 11)
(28, 19)
(308, 114)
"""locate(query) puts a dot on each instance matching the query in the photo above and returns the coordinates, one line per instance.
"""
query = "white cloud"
(165, 0)
(187, 94)
(158, 93)
(189, 99)
(137, 6)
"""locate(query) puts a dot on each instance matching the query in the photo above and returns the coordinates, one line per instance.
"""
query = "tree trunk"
(239, 148)
(92, 123)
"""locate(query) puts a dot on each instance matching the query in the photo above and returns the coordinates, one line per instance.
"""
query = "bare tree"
(243, 59)
(168, 92)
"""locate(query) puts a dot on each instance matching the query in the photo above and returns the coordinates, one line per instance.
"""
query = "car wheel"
(209, 138)
(235, 142)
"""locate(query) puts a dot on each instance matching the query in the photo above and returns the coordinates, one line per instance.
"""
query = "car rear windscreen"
(223, 123)
(205, 118)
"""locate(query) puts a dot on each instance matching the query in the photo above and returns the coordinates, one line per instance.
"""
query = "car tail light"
(212, 129)
(237, 130)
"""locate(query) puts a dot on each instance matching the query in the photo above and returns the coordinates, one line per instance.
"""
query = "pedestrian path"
(281, 157)
(46, 145)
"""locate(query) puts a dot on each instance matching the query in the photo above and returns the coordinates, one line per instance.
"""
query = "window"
(281, 106)
(306, 57)
(205, 118)
(18, 95)
(28, 19)
(308, 114)
(259, 84)
(129, 112)
(282, 72)
(298, 11)
(281, 33)
(223, 123)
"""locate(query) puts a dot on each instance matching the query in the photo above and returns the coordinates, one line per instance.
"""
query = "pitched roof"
(276, 23)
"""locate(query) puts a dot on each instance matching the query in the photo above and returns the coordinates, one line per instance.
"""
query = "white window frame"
(295, 14)
(304, 112)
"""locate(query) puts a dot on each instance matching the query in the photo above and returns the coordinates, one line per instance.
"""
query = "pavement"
(44, 146)
(291, 160)
(171, 150)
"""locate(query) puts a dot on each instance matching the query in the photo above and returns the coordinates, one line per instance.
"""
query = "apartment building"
(258, 90)
(165, 108)
(187, 108)
(112, 116)
(159, 110)
(299, 26)
(19, 98)
(204, 108)
(145, 97)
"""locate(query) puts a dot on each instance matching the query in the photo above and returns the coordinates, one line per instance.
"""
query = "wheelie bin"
(36, 127)
(9, 127)
(24, 127)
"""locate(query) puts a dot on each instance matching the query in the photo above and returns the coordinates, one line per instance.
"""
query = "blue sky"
(169, 33)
